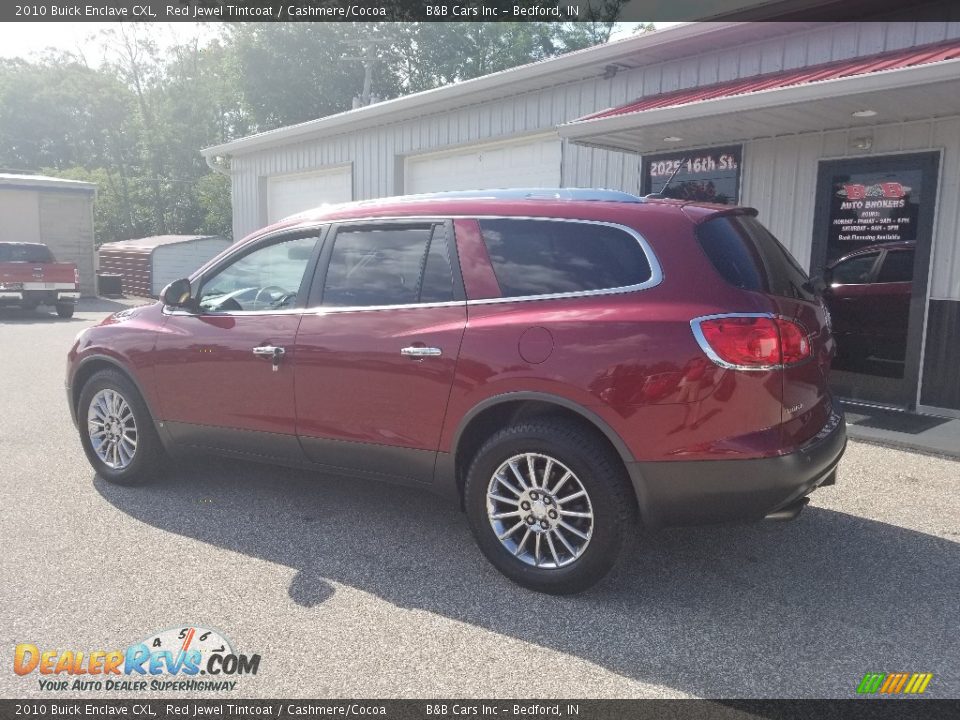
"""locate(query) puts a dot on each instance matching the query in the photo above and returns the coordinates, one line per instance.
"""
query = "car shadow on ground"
(791, 610)
(47, 314)
(32, 317)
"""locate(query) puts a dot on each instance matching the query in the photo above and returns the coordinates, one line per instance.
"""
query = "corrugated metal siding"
(780, 176)
(66, 226)
(19, 215)
(377, 153)
(61, 219)
(134, 266)
(147, 271)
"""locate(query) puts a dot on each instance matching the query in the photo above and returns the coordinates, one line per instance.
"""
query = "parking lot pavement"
(354, 589)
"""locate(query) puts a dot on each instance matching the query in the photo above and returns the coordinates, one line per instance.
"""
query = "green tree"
(135, 124)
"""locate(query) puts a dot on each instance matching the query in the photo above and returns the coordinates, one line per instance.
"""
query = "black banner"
(464, 10)
(707, 175)
(513, 709)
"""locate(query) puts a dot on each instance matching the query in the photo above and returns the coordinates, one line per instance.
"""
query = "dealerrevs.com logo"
(187, 658)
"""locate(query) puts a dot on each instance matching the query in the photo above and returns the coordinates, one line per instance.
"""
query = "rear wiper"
(667, 183)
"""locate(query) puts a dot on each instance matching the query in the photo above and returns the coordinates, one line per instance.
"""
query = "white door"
(290, 194)
(518, 163)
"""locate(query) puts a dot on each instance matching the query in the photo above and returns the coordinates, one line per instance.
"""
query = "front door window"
(266, 279)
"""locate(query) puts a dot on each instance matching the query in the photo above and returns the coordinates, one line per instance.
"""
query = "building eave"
(684, 39)
(599, 132)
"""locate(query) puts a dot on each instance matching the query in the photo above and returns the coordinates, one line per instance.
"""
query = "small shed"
(148, 264)
(54, 211)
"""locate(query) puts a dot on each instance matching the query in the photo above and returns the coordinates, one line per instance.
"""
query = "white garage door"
(290, 194)
(520, 163)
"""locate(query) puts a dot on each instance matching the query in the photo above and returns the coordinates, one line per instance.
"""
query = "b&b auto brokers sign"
(875, 212)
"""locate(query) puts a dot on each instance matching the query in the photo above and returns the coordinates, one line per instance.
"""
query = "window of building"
(707, 175)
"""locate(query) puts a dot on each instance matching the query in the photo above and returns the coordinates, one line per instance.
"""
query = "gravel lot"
(354, 589)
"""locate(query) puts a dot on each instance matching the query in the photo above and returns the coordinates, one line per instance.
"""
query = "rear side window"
(25, 253)
(388, 266)
(749, 257)
(539, 257)
(897, 267)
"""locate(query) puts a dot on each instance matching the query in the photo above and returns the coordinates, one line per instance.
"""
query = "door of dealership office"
(873, 230)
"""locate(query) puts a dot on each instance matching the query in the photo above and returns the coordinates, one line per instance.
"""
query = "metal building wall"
(376, 154)
(780, 176)
(66, 226)
(779, 179)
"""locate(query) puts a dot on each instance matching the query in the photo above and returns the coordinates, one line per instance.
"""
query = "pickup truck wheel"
(65, 310)
(549, 503)
(116, 430)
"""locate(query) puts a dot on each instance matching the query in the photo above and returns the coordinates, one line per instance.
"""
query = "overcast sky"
(30, 39)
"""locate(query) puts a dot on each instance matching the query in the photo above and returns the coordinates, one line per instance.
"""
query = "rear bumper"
(712, 491)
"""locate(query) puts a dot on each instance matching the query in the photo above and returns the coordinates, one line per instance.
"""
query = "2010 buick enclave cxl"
(560, 362)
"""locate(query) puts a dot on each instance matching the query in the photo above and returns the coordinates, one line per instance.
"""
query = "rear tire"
(117, 432)
(576, 546)
(65, 310)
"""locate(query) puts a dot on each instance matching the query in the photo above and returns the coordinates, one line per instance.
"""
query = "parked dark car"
(868, 294)
(559, 362)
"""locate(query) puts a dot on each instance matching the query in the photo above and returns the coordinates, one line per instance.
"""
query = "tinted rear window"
(748, 257)
(13, 252)
(541, 257)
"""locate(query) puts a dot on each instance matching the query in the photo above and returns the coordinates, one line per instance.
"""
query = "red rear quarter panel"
(630, 358)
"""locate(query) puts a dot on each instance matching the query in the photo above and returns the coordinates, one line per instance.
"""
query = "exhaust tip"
(789, 512)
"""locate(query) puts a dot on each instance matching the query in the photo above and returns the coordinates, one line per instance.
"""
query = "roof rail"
(590, 194)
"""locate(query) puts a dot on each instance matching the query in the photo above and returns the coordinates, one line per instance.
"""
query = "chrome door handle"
(270, 351)
(421, 352)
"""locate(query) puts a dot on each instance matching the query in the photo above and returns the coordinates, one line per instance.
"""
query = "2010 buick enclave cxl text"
(563, 363)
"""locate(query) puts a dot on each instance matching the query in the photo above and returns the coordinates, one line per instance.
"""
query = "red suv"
(559, 362)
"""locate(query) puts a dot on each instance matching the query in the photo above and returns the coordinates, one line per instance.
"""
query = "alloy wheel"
(112, 429)
(539, 510)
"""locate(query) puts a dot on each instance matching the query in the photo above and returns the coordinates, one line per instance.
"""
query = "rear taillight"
(751, 342)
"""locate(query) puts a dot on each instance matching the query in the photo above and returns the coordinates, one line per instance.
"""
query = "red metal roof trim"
(771, 81)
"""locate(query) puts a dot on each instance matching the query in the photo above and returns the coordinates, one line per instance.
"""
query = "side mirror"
(177, 293)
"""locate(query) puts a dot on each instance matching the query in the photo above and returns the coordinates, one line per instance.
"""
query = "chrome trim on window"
(656, 272)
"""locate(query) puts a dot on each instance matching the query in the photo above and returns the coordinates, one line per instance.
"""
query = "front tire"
(117, 431)
(65, 310)
(549, 504)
